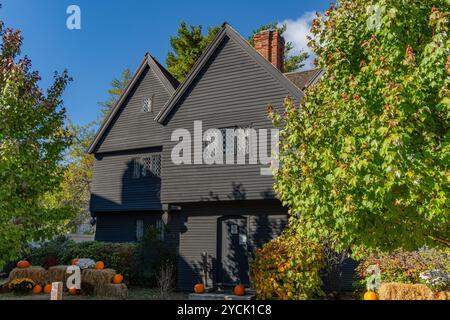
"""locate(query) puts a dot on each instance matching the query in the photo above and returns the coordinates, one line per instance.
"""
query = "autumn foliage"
(288, 268)
(364, 158)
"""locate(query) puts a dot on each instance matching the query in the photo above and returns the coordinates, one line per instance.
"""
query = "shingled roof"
(303, 79)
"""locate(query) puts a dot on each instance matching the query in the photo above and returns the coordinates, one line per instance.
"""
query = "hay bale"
(444, 295)
(98, 277)
(118, 291)
(37, 274)
(57, 274)
(401, 291)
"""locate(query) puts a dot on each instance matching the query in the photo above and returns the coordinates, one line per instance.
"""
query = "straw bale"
(97, 277)
(57, 274)
(401, 291)
(118, 291)
(37, 274)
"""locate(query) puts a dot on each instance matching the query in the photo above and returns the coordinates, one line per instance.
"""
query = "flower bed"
(21, 285)
(410, 275)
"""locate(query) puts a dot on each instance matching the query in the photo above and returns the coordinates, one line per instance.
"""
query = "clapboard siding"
(231, 90)
(121, 227)
(114, 188)
(195, 228)
(132, 128)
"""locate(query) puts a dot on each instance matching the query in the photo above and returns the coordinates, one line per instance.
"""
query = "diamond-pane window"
(156, 165)
(147, 106)
(231, 143)
(136, 168)
(244, 140)
(151, 166)
(210, 139)
(228, 140)
(147, 166)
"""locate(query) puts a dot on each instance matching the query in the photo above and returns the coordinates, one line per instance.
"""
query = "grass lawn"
(133, 294)
(153, 294)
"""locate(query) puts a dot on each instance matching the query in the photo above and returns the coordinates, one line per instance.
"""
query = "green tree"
(74, 190)
(118, 85)
(187, 47)
(292, 62)
(365, 157)
(33, 138)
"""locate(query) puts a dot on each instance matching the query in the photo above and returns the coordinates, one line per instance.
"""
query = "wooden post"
(57, 288)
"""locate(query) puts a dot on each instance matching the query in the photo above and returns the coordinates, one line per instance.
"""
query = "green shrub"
(139, 263)
(288, 268)
(407, 266)
(118, 256)
(52, 249)
(151, 254)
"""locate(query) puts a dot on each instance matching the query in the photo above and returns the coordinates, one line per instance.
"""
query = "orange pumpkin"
(23, 264)
(47, 288)
(370, 295)
(73, 291)
(199, 288)
(37, 289)
(239, 290)
(100, 265)
(118, 278)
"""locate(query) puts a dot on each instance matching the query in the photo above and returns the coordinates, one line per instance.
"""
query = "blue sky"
(115, 35)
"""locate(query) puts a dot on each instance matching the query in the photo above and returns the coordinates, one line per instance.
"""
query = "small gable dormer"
(131, 124)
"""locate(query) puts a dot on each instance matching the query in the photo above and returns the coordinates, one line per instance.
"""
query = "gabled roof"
(168, 81)
(226, 31)
(303, 79)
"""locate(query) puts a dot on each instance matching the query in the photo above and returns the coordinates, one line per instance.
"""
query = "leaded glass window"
(147, 166)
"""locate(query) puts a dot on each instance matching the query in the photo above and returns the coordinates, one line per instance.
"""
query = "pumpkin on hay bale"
(118, 278)
(22, 264)
(401, 291)
(98, 277)
(37, 274)
(57, 274)
(119, 291)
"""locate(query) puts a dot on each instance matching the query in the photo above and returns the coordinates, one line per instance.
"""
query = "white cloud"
(297, 31)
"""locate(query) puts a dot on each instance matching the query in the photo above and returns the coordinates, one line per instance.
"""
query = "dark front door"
(232, 251)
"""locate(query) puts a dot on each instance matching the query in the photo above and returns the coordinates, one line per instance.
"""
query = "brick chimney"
(270, 45)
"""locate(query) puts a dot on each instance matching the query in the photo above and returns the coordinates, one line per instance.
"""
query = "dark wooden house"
(216, 213)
